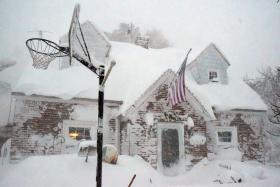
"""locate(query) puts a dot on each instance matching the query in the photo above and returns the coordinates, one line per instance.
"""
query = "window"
(74, 131)
(79, 133)
(213, 76)
(226, 135)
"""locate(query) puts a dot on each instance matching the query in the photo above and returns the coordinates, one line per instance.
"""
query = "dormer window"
(213, 76)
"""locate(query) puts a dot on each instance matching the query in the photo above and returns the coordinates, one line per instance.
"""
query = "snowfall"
(72, 170)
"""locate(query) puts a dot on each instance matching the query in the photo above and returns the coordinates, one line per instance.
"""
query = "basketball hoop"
(44, 51)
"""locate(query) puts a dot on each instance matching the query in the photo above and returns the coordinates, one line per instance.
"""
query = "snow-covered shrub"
(189, 123)
(197, 139)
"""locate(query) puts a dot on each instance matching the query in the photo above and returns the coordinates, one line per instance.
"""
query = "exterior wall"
(209, 60)
(142, 137)
(39, 124)
(249, 125)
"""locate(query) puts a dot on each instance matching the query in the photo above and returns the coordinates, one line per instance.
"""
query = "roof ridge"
(204, 50)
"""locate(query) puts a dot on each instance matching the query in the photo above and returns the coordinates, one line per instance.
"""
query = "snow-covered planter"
(197, 139)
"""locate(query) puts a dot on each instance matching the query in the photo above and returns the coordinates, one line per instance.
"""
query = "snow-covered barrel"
(110, 154)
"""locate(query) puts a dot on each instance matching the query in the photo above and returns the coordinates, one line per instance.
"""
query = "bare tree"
(125, 33)
(268, 86)
(157, 39)
(275, 107)
(128, 32)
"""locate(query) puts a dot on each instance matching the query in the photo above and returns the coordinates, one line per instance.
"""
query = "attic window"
(213, 76)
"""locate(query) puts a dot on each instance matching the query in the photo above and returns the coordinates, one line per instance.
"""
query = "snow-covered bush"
(197, 139)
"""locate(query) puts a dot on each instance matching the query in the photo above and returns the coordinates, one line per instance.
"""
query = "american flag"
(176, 90)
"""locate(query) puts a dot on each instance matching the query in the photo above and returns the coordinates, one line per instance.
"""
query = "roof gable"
(211, 48)
(167, 77)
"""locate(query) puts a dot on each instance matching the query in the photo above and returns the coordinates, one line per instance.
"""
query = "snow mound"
(229, 176)
(229, 154)
(248, 171)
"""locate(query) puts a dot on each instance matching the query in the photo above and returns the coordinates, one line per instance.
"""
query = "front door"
(170, 148)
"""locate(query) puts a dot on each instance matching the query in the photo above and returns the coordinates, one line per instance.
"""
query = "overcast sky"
(247, 32)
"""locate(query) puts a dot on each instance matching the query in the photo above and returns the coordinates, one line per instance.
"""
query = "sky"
(246, 31)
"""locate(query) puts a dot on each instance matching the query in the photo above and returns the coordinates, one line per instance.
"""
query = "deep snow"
(71, 170)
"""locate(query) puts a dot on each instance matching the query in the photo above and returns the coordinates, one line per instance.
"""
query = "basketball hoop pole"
(44, 51)
(100, 127)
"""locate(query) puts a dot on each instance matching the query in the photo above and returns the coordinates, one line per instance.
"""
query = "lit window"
(213, 76)
(79, 133)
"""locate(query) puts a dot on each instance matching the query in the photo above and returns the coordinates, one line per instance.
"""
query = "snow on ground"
(71, 170)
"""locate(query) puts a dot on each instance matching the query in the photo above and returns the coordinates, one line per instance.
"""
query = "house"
(54, 112)
(47, 112)
(221, 113)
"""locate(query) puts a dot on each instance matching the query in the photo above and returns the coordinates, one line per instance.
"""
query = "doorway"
(171, 148)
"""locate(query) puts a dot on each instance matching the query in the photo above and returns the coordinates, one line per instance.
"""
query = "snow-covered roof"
(221, 97)
(136, 70)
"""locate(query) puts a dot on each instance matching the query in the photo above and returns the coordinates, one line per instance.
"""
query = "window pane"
(80, 132)
(224, 136)
(212, 75)
(72, 132)
(87, 134)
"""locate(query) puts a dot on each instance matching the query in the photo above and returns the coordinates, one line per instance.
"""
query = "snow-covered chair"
(87, 148)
